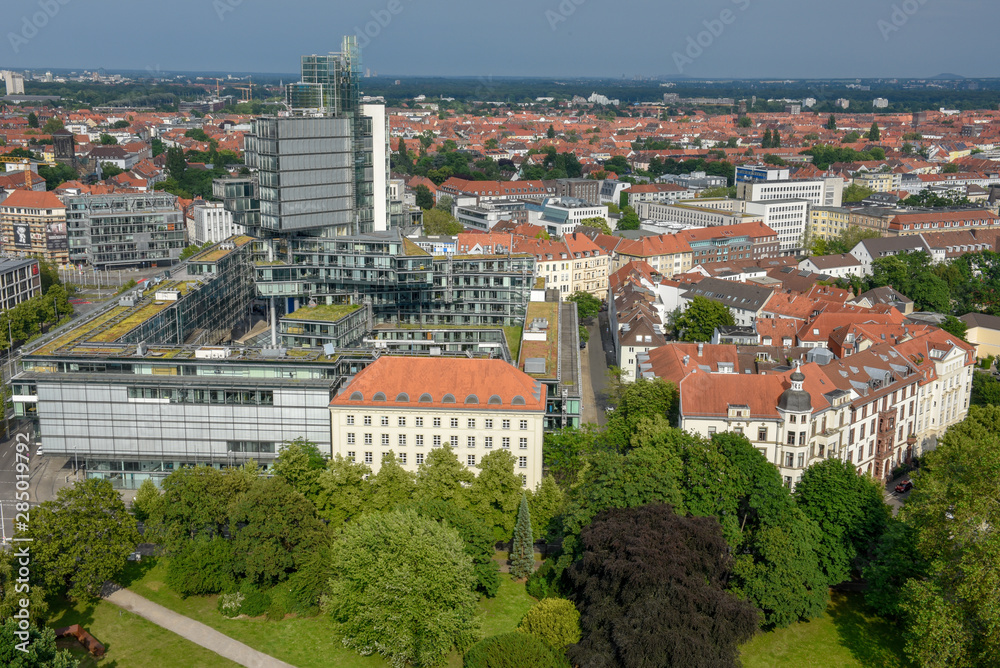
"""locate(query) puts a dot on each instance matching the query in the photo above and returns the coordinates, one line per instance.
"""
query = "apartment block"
(34, 224)
(19, 282)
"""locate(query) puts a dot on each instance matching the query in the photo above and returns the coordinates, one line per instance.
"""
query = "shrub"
(276, 612)
(541, 583)
(255, 601)
(554, 620)
(513, 650)
(203, 566)
(230, 604)
(488, 578)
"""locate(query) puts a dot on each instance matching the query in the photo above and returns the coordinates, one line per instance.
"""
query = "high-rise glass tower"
(321, 167)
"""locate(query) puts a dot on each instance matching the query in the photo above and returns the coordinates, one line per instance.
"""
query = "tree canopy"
(699, 320)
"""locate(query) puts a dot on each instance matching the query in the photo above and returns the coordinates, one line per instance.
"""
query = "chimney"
(701, 349)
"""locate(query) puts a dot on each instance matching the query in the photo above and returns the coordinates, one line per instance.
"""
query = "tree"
(392, 485)
(565, 451)
(273, 528)
(402, 586)
(855, 193)
(437, 221)
(445, 203)
(13, 593)
(52, 125)
(645, 399)
(56, 176)
(545, 502)
(425, 198)
(203, 566)
(766, 140)
(32, 120)
(599, 223)
(675, 587)
(955, 327)
(38, 650)
(629, 220)
(831, 123)
(442, 478)
(775, 139)
(342, 490)
(950, 168)
(985, 390)
(554, 620)
(195, 501)
(587, 305)
(495, 492)
(744, 122)
(522, 554)
(110, 170)
(107, 140)
(551, 132)
(478, 539)
(82, 538)
(513, 650)
(700, 319)
(121, 125)
(197, 134)
(146, 498)
(176, 164)
(299, 463)
(874, 134)
(848, 509)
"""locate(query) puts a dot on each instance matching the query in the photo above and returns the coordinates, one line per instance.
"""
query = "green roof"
(325, 312)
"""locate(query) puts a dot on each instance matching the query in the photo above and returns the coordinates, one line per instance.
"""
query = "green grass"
(130, 640)
(311, 641)
(845, 636)
(513, 335)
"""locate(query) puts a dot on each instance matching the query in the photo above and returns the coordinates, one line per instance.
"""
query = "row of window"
(470, 460)
(470, 423)
(453, 441)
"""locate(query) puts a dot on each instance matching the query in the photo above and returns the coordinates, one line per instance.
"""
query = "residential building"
(880, 182)
(657, 192)
(562, 215)
(574, 263)
(409, 406)
(869, 250)
(828, 222)
(843, 265)
(14, 82)
(491, 191)
(984, 333)
(827, 191)
(212, 224)
(611, 191)
(34, 224)
(124, 229)
(486, 216)
(787, 217)
(699, 213)
(744, 301)
(587, 190)
(668, 254)
(19, 282)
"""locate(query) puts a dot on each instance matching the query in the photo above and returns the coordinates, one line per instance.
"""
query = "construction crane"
(246, 92)
(217, 82)
(24, 161)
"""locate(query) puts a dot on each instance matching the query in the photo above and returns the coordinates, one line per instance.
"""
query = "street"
(599, 356)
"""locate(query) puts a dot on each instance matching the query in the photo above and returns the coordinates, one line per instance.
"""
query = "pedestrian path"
(196, 632)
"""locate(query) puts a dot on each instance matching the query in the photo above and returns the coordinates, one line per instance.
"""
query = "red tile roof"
(29, 199)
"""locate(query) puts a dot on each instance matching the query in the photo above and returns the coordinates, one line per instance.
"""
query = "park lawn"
(131, 641)
(307, 642)
(847, 635)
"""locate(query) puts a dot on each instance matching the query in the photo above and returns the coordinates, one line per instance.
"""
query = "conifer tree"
(766, 141)
(522, 554)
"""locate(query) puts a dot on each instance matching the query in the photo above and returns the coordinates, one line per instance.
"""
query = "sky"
(547, 38)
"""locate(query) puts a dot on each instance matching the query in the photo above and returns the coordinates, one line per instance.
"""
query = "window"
(505, 424)
(350, 438)
(489, 423)
(471, 423)
(454, 423)
(437, 422)
(401, 421)
(368, 458)
(802, 459)
(506, 442)
(794, 418)
(524, 480)
(420, 439)
(802, 438)
(524, 425)
(470, 441)
(368, 420)
(437, 442)
(454, 442)
(791, 438)
(402, 440)
(368, 439)
(862, 433)
(762, 433)
(420, 458)
(789, 459)
(488, 442)
(522, 443)
(711, 430)
(350, 419)
(402, 458)
(385, 439)
(350, 455)
(419, 421)
(470, 460)
(522, 462)
(385, 420)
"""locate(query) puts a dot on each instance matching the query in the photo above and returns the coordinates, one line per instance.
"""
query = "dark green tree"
(587, 305)
(495, 492)
(38, 651)
(831, 123)
(425, 199)
(954, 326)
(443, 478)
(700, 319)
(176, 163)
(392, 486)
(776, 139)
(551, 132)
(513, 650)
(676, 588)
(343, 490)
(32, 120)
(522, 553)
(874, 134)
(107, 140)
(300, 463)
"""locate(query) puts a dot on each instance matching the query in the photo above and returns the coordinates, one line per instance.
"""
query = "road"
(600, 355)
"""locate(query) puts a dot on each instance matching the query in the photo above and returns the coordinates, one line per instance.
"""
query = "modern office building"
(323, 169)
(19, 282)
(409, 406)
(212, 224)
(116, 230)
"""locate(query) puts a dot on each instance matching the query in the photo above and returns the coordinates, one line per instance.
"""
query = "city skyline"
(569, 38)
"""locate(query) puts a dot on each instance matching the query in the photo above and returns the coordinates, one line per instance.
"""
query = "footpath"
(196, 632)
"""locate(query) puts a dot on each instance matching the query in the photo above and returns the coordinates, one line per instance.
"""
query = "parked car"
(904, 486)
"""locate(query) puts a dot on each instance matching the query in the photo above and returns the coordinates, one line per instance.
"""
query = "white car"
(39, 452)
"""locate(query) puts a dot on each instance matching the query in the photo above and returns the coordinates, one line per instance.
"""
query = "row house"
(573, 264)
